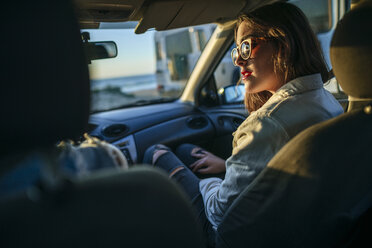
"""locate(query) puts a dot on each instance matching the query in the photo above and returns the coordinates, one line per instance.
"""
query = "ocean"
(126, 85)
(116, 92)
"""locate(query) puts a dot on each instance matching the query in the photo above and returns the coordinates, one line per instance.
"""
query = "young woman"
(283, 72)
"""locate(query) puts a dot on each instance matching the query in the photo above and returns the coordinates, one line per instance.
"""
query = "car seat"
(317, 191)
(45, 99)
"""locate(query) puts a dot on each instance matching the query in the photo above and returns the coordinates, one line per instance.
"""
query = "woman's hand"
(208, 163)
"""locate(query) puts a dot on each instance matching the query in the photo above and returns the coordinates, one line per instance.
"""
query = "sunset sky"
(136, 53)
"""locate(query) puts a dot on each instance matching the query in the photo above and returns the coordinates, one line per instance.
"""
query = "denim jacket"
(297, 105)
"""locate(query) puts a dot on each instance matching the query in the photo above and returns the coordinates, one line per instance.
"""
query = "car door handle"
(197, 122)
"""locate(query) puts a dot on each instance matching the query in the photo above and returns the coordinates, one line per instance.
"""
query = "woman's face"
(258, 71)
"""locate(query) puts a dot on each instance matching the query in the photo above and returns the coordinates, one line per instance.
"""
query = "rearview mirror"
(232, 94)
(100, 50)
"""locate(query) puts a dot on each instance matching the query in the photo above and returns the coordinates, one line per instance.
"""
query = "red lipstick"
(246, 74)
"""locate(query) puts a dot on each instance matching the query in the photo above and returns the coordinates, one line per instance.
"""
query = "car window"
(226, 73)
(318, 12)
(149, 67)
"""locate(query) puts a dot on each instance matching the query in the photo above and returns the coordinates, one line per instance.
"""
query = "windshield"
(149, 67)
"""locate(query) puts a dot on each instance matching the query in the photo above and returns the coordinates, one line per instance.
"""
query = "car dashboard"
(134, 129)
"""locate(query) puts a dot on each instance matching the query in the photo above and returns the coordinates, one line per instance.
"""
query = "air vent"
(115, 130)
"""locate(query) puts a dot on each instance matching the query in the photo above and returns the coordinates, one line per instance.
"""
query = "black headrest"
(351, 52)
(44, 94)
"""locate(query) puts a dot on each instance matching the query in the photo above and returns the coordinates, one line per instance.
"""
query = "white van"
(177, 52)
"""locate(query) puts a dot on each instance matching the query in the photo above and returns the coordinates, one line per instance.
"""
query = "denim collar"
(300, 85)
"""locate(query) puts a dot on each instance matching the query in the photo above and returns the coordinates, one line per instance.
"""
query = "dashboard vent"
(115, 130)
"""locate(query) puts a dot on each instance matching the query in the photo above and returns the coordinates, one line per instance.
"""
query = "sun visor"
(92, 12)
(176, 14)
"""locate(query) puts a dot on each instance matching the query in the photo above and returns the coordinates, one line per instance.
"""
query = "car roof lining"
(187, 13)
(162, 14)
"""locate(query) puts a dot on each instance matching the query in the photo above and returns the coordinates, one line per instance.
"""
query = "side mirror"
(100, 50)
(232, 94)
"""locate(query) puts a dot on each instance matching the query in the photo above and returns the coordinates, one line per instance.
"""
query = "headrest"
(44, 94)
(351, 52)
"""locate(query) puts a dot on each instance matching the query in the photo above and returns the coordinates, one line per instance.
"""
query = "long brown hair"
(297, 49)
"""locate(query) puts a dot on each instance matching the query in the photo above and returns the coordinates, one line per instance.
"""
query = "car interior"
(324, 171)
(199, 115)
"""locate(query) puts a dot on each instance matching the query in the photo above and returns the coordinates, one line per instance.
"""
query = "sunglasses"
(245, 49)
